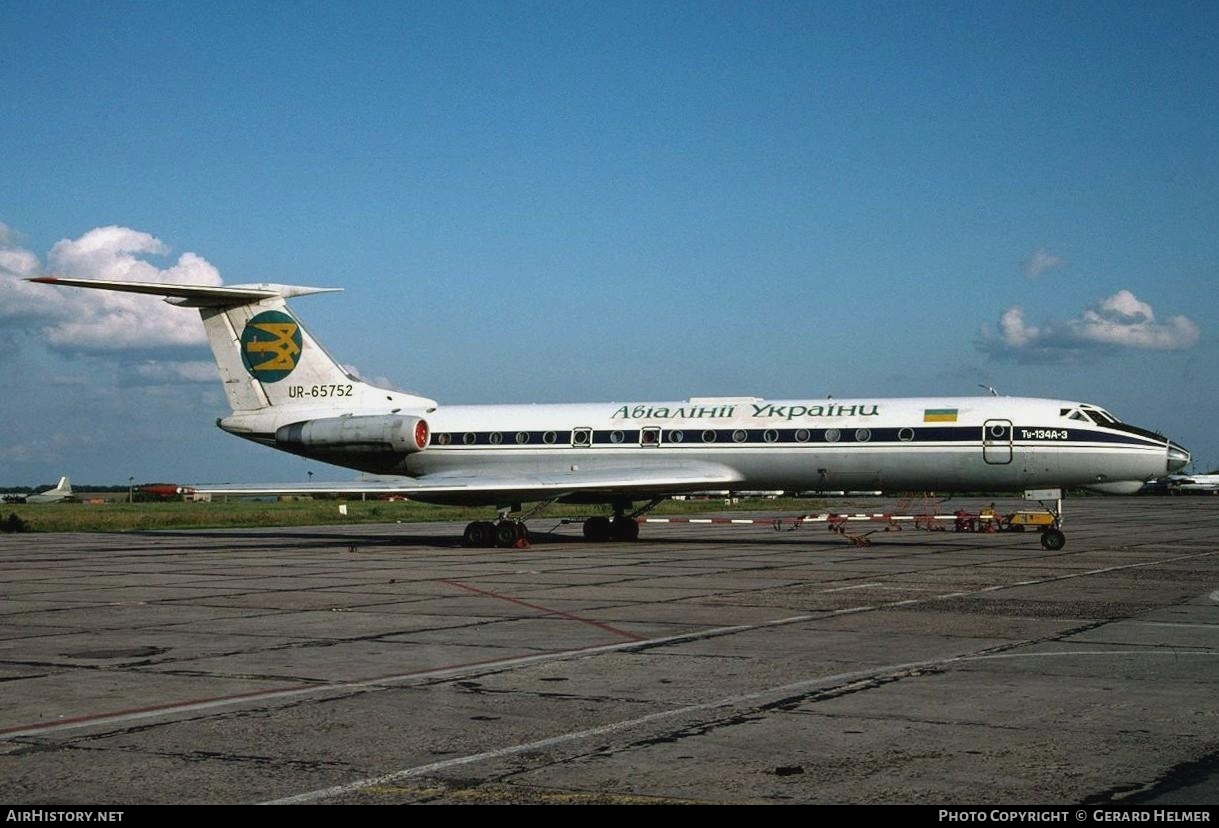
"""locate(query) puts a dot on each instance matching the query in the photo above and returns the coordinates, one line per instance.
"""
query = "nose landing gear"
(1053, 539)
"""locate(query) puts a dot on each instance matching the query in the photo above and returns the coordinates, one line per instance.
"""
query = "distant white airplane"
(62, 491)
(286, 392)
(1193, 484)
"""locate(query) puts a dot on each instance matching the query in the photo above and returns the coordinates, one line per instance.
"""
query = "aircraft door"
(997, 441)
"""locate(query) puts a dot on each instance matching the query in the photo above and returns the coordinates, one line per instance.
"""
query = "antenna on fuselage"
(989, 388)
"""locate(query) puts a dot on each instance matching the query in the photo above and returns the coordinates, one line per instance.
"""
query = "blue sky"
(573, 201)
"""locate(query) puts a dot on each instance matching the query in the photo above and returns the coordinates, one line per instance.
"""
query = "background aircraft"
(58, 493)
(1193, 484)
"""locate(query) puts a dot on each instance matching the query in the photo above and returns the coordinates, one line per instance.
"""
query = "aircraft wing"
(487, 487)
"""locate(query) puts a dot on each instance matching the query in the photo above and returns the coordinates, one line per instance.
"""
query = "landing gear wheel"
(624, 528)
(479, 534)
(1053, 540)
(508, 532)
(597, 528)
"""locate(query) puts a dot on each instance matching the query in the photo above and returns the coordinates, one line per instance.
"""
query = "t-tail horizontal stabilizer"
(194, 296)
(268, 362)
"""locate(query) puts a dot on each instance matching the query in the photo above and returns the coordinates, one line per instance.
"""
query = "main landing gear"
(509, 532)
(621, 527)
(601, 528)
(485, 534)
(506, 533)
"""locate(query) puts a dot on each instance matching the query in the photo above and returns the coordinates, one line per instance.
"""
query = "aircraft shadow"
(378, 537)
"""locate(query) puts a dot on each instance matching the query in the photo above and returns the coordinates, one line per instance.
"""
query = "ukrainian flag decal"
(939, 415)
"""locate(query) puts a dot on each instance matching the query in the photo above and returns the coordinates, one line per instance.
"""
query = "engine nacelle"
(373, 434)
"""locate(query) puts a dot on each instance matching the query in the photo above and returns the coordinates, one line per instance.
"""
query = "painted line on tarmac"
(452, 671)
(564, 738)
(769, 693)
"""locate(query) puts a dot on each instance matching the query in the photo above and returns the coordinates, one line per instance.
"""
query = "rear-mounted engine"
(379, 434)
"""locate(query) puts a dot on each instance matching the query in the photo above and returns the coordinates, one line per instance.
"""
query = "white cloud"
(18, 298)
(1121, 321)
(17, 262)
(1013, 330)
(1041, 262)
(84, 320)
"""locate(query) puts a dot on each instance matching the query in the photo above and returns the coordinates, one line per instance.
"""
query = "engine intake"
(375, 434)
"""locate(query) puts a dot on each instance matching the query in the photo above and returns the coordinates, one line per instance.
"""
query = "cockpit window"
(1100, 416)
(1074, 414)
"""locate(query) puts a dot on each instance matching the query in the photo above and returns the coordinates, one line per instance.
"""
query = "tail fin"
(266, 357)
(64, 486)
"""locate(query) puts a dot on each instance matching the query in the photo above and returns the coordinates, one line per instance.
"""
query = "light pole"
(131, 489)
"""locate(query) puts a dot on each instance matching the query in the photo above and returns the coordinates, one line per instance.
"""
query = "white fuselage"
(938, 444)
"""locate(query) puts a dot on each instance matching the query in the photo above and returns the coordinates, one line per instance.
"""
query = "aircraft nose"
(1178, 457)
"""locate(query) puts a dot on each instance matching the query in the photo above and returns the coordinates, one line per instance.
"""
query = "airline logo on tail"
(271, 346)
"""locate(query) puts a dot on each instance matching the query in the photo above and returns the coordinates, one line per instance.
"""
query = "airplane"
(286, 392)
(60, 492)
(1193, 484)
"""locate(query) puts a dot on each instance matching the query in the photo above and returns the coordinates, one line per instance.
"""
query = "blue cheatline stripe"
(696, 437)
